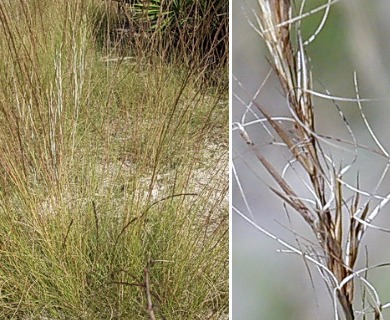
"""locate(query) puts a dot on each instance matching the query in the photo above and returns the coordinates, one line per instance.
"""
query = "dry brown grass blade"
(287, 139)
(339, 214)
(290, 195)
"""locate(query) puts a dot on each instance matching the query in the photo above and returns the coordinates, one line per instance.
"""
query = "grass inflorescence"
(313, 181)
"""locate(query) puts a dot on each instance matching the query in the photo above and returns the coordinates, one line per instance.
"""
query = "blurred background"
(268, 284)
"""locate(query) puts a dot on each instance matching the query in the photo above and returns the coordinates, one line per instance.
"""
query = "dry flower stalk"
(327, 218)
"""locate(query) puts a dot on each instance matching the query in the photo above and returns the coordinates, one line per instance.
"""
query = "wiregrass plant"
(113, 176)
(337, 212)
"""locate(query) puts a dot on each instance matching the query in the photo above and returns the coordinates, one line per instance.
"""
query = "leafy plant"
(194, 32)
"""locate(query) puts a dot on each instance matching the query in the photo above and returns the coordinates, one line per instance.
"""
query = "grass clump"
(108, 206)
(320, 176)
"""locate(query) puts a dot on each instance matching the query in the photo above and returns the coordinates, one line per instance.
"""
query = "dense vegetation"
(113, 164)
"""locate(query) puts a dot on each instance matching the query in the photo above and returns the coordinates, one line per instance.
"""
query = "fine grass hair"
(338, 212)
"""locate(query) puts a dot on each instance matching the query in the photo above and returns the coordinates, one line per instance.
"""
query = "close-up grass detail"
(113, 161)
(317, 177)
